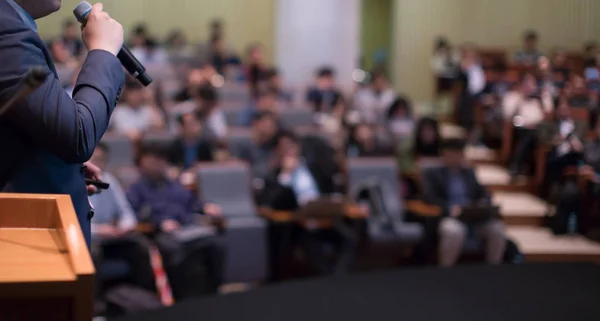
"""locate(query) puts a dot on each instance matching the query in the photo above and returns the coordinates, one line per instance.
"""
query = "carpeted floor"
(536, 292)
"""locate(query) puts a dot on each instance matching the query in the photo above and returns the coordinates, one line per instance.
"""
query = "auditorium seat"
(296, 117)
(232, 91)
(161, 138)
(238, 139)
(381, 174)
(228, 184)
(122, 150)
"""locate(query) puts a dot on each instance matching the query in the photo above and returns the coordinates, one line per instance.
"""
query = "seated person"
(113, 228)
(566, 136)
(372, 102)
(64, 62)
(525, 109)
(472, 83)
(265, 101)
(273, 82)
(137, 113)
(190, 148)
(206, 102)
(363, 142)
(453, 186)
(171, 208)
(324, 96)
(427, 139)
(259, 153)
(292, 184)
(196, 77)
(529, 54)
(400, 119)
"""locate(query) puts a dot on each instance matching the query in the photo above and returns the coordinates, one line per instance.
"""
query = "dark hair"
(68, 23)
(325, 72)
(132, 84)
(453, 144)
(271, 73)
(153, 149)
(590, 46)
(287, 134)
(499, 66)
(140, 30)
(266, 92)
(199, 115)
(216, 23)
(103, 147)
(419, 147)
(208, 93)
(400, 103)
(174, 35)
(261, 115)
(530, 35)
(441, 43)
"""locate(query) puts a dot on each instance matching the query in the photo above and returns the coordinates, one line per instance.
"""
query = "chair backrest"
(122, 150)
(382, 172)
(232, 116)
(232, 91)
(162, 138)
(296, 117)
(238, 139)
(229, 185)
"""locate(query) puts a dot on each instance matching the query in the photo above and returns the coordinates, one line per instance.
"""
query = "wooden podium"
(46, 272)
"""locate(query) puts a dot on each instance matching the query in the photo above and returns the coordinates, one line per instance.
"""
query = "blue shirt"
(111, 206)
(303, 184)
(27, 19)
(190, 154)
(457, 190)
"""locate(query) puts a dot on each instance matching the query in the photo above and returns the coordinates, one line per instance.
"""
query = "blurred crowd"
(205, 163)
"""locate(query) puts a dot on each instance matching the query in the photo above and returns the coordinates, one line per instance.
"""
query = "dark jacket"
(204, 152)
(46, 137)
(279, 197)
(435, 187)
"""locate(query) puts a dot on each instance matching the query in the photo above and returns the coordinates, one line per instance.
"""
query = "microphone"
(32, 80)
(128, 60)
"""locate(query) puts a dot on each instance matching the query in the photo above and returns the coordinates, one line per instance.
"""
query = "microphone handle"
(133, 66)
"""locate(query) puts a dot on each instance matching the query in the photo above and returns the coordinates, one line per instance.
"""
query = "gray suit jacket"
(45, 138)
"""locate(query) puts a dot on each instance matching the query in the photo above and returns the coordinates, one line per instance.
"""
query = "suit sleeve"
(69, 128)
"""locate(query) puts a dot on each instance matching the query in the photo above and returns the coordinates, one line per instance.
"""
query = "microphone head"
(82, 10)
(35, 77)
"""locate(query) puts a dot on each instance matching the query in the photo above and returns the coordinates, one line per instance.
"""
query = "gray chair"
(387, 223)
(161, 138)
(239, 139)
(296, 117)
(228, 184)
(232, 116)
(122, 150)
(232, 91)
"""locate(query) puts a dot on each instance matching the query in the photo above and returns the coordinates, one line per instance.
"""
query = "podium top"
(41, 240)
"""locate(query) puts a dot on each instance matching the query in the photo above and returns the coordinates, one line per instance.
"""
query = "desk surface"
(33, 255)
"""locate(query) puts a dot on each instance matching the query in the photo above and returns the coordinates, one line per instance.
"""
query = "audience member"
(454, 187)
(260, 152)
(180, 52)
(171, 208)
(137, 113)
(255, 66)
(566, 137)
(363, 142)
(265, 101)
(113, 227)
(190, 148)
(196, 78)
(274, 82)
(445, 63)
(324, 96)
(525, 109)
(373, 101)
(294, 184)
(66, 65)
(472, 78)
(427, 139)
(71, 38)
(206, 102)
(529, 54)
(400, 119)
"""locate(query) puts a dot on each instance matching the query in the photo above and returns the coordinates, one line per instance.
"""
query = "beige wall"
(568, 23)
(246, 20)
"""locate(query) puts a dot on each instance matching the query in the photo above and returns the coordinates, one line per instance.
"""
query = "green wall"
(376, 31)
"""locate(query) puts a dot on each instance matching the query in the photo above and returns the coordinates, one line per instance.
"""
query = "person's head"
(70, 30)
(287, 144)
(216, 28)
(495, 73)
(530, 40)
(363, 133)
(134, 94)
(59, 51)
(153, 162)
(176, 39)
(196, 77)
(39, 8)
(325, 78)
(379, 80)
(577, 82)
(207, 97)
(528, 84)
(591, 48)
(266, 100)
(191, 124)
(272, 78)
(442, 45)
(101, 156)
(401, 108)
(562, 109)
(255, 53)
(139, 36)
(427, 131)
(264, 125)
(453, 153)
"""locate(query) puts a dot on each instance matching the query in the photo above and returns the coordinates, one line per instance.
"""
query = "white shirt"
(216, 122)
(531, 110)
(371, 106)
(476, 79)
(125, 119)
